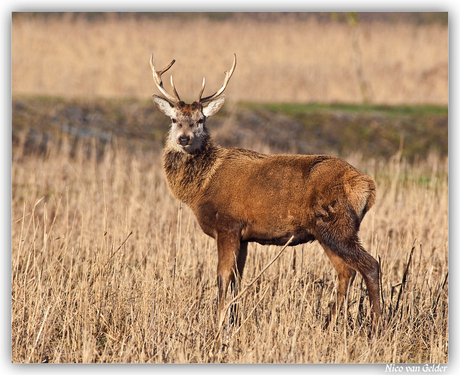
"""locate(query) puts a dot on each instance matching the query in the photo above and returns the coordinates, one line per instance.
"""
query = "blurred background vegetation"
(373, 83)
(419, 18)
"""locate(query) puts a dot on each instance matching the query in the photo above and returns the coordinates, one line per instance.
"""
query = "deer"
(240, 196)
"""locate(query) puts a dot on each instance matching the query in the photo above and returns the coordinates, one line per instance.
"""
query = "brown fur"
(240, 196)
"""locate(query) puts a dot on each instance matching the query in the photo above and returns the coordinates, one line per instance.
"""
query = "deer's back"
(270, 197)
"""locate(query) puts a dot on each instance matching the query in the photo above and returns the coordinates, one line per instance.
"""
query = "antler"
(228, 75)
(159, 82)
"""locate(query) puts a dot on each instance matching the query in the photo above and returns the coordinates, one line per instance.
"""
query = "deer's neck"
(188, 174)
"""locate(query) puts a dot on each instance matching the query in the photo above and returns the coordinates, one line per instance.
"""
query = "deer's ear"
(214, 106)
(163, 105)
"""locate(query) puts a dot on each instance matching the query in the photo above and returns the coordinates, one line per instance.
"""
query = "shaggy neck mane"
(187, 174)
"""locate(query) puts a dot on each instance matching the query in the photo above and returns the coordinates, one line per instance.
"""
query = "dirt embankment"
(376, 132)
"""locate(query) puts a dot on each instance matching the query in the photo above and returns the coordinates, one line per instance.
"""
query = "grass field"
(108, 267)
(287, 60)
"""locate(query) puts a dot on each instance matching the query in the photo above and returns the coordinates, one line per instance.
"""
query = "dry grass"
(288, 60)
(108, 267)
(85, 290)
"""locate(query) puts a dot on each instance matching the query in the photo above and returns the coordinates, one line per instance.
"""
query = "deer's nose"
(184, 140)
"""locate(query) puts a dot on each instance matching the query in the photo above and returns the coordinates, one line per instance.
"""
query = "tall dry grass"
(108, 267)
(288, 60)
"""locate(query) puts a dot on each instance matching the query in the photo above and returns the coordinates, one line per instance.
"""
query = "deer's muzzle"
(183, 140)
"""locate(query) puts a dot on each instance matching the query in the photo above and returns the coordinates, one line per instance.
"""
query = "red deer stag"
(240, 196)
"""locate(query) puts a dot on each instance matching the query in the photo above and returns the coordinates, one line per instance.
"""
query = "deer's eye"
(174, 120)
(200, 121)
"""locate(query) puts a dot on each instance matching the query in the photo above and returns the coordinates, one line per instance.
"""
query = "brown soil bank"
(371, 131)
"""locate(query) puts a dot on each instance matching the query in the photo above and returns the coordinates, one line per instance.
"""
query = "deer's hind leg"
(340, 236)
(353, 255)
(346, 275)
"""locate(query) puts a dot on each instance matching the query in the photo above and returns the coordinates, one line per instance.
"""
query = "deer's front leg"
(228, 247)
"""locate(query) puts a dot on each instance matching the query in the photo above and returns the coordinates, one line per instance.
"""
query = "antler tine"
(159, 82)
(174, 89)
(228, 75)
(202, 89)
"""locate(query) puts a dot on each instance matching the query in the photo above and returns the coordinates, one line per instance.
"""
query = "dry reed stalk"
(68, 218)
(402, 284)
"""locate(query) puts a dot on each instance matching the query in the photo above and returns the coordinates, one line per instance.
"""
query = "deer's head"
(187, 120)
